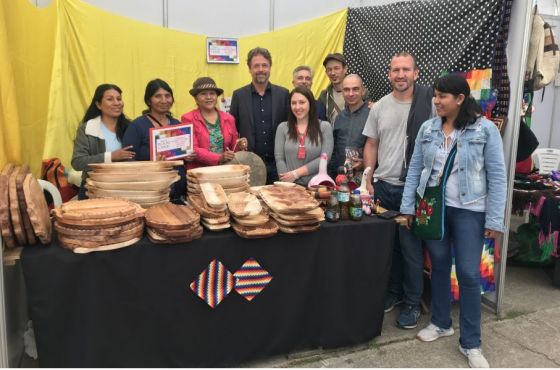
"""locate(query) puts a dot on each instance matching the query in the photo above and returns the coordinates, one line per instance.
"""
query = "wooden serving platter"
(224, 181)
(127, 233)
(97, 209)
(131, 176)
(155, 185)
(71, 241)
(216, 227)
(299, 229)
(126, 193)
(27, 227)
(216, 220)
(292, 223)
(171, 216)
(257, 220)
(136, 166)
(244, 204)
(287, 200)
(103, 231)
(187, 232)
(255, 163)
(314, 215)
(109, 247)
(214, 195)
(213, 172)
(201, 207)
(37, 209)
(250, 232)
(159, 239)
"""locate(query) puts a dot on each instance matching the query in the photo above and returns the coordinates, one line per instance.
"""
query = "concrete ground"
(526, 335)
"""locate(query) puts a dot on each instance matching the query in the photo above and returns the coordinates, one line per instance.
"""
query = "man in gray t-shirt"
(392, 124)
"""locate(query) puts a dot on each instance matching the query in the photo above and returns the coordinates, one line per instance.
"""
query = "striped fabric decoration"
(213, 284)
(251, 279)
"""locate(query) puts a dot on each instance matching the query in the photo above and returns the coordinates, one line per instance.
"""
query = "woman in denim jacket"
(474, 205)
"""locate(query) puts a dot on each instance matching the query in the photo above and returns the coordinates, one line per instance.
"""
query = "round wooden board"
(109, 247)
(171, 216)
(15, 213)
(258, 168)
(28, 228)
(37, 209)
(5, 221)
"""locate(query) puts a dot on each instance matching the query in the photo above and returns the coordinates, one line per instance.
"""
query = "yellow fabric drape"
(60, 54)
(26, 49)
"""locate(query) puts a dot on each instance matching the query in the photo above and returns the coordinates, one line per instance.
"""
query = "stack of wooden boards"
(171, 223)
(211, 203)
(143, 182)
(98, 224)
(233, 178)
(292, 207)
(24, 214)
(250, 219)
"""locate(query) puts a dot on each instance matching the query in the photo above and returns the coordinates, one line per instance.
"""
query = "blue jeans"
(465, 230)
(407, 267)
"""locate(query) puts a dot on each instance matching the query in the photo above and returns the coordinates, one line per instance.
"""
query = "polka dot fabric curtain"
(444, 35)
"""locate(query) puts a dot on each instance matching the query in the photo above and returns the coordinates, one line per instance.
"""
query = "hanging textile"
(453, 35)
(500, 77)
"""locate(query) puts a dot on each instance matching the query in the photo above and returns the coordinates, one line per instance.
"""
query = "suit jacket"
(242, 110)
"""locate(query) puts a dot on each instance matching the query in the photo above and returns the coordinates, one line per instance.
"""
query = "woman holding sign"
(159, 99)
(215, 137)
(100, 135)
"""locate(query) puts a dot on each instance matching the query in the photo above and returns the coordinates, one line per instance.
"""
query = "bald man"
(349, 125)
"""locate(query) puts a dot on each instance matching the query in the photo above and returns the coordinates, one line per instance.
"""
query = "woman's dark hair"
(313, 127)
(93, 111)
(151, 88)
(455, 85)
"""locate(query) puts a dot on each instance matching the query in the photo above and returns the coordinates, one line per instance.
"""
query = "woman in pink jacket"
(215, 137)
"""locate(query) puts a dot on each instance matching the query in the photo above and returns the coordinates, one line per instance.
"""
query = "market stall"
(134, 307)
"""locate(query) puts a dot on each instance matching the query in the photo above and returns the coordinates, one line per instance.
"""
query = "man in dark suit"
(258, 108)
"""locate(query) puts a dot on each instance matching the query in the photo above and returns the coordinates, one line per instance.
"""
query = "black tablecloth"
(133, 307)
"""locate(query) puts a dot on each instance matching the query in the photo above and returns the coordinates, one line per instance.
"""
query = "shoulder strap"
(449, 164)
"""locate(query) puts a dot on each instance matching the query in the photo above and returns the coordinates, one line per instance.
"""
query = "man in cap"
(336, 69)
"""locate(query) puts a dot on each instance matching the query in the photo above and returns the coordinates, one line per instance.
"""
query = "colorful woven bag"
(429, 223)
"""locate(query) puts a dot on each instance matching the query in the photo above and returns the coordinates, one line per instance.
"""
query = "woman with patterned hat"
(215, 137)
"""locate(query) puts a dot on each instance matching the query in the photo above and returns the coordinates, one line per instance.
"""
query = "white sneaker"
(432, 332)
(475, 356)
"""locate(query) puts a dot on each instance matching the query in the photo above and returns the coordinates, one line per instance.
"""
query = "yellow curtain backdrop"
(26, 49)
(58, 55)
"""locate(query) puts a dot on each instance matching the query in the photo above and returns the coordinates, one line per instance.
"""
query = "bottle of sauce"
(355, 206)
(343, 196)
(332, 213)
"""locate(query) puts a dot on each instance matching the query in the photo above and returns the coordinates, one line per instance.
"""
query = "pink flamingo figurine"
(322, 178)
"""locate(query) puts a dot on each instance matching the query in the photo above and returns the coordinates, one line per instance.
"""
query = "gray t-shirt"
(286, 149)
(387, 123)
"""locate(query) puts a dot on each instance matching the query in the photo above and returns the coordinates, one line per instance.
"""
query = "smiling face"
(206, 99)
(402, 73)
(448, 105)
(111, 104)
(335, 71)
(353, 91)
(161, 102)
(260, 70)
(300, 106)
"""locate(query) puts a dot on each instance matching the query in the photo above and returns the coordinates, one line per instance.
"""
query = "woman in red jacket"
(215, 137)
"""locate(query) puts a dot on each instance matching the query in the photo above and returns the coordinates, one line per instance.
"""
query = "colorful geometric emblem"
(251, 279)
(213, 284)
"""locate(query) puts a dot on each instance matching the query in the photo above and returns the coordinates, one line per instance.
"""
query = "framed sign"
(222, 50)
(171, 142)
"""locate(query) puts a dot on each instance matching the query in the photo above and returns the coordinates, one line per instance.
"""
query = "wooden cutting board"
(244, 204)
(299, 229)
(5, 221)
(127, 233)
(15, 213)
(212, 172)
(171, 216)
(97, 209)
(255, 163)
(80, 243)
(37, 209)
(103, 231)
(257, 220)
(28, 228)
(288, 200)
(177, 234)
(159, 239)
(131, 176)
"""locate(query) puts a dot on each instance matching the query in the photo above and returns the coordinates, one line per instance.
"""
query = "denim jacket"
(480, 159)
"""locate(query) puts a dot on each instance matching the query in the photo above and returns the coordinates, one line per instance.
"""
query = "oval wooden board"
(28, 228)
(143, 166)
(255, 163)
(171, 216)
(225, 170)
(5, 219)
(127, 193)
(15, 213)
(110, 247)
(37, 209)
